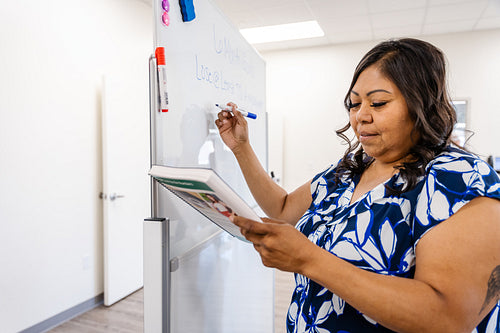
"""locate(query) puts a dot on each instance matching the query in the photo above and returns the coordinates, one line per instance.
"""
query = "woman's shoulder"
(456, 160)
(327, 173)
(456, 171)
(326, 179)
(453, 179)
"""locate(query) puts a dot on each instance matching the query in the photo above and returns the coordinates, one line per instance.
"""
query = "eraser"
(187, 10)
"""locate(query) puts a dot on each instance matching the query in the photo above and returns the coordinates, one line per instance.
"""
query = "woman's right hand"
(233, 128)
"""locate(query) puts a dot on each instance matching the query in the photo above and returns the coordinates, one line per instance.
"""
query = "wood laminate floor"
(127, 315)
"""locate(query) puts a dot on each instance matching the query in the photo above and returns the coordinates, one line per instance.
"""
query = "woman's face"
(379, 117)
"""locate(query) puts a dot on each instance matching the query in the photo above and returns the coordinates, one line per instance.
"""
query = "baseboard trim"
(66, 315)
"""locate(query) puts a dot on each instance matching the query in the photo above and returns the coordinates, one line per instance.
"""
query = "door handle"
(114, 196)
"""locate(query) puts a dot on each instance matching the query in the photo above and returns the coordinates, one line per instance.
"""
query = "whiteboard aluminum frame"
(156, 234)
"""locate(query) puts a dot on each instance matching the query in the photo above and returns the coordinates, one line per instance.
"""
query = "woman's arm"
(271, 197)
(451, 291)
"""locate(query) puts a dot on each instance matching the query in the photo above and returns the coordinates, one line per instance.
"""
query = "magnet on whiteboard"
(165, 18)
(187, 10)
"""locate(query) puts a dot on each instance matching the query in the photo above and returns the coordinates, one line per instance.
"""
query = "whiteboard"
(207, 62)
(233, 296)
(218, 283)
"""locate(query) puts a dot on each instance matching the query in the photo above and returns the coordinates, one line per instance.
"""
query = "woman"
(403, 233)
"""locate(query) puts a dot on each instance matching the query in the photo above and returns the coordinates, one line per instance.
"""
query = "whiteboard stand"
(156, 235)
(156, 276)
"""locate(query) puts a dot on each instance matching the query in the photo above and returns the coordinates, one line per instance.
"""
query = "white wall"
(307, 87)
(52, 58)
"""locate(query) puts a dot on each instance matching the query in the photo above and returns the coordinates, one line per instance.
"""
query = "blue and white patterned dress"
(379, 233)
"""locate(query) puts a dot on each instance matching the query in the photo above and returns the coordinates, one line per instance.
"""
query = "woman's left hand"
(279, 244)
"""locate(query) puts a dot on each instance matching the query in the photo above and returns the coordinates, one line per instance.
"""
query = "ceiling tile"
(403, 31)
(351, 36)
(398, 19)
(381, 6)
(488, 23)
(230, 6)
(455, 12)
(273, 15)
(433, 3)
(346, 24)
(493, 9)
(448, 27)
(337, 8)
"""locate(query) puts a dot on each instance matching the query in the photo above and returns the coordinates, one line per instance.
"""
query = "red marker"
(162, 78)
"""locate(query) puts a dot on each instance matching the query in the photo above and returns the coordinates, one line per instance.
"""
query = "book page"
(204, 199)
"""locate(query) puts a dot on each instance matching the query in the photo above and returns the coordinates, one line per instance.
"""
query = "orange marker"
(162, 78)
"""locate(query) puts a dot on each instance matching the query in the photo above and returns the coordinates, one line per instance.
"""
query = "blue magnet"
(187, 10)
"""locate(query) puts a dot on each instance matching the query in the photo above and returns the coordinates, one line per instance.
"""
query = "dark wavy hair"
(418, 69)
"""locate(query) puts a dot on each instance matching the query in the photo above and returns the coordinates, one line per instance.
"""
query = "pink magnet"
(165, 18)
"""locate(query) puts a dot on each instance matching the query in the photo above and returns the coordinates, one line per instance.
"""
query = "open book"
(206, 192)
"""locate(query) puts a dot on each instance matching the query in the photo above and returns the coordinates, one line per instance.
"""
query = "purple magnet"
(165, 5)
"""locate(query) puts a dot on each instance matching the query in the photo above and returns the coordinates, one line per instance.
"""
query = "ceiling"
(347, 21)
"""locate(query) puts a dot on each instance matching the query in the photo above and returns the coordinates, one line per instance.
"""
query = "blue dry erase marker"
(243, 112)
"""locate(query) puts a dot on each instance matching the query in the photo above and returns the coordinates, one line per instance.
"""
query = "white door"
(125, 137)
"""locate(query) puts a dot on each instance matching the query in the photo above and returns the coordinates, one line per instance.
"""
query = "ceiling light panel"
(282, 32)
